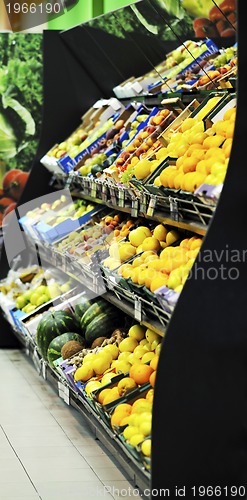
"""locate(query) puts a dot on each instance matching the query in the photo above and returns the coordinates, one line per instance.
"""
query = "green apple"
(42, 299)
(34, 297)
(20, 302)
(29, 308)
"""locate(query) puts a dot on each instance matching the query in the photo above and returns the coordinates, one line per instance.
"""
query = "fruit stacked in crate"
(154, 258)
(201, 152)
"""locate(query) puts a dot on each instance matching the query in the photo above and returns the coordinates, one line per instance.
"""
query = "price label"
(68, 182)
(113, 197)
(134, 207)
(173, 207)
(27, 347)
(104, 192)
(93, 190)
(143, 204)
(63, 392)
(36, 360)
(138, 310)
(151, 206)
(121, 198)
(44, 369)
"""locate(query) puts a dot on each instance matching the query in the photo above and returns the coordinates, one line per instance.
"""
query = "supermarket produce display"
(132, 198)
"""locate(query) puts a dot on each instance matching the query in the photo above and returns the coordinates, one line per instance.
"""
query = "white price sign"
(63, 392)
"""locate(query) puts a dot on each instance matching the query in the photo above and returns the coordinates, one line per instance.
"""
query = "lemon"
(84, 373)
(151, 336)
(92, 385)
(145, 428)
(128, 344)
(136, 439)
(130, 431)
(100, 365)
(146, 447)
(113, 349)
(137, 332)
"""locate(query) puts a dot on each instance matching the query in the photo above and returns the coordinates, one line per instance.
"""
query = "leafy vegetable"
(24, 114)
(21, 93)
(7, 138)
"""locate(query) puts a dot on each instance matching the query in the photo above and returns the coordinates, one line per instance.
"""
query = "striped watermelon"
(55, 346)
(52, 325)
(99, 307)
(81, 308)
(102, 325)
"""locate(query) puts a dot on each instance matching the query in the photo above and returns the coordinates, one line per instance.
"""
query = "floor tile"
(111, 473)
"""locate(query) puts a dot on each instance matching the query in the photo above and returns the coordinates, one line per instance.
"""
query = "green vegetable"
(7, 138)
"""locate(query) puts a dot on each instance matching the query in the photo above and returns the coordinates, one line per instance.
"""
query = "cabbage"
(7, 139)
(197, 8)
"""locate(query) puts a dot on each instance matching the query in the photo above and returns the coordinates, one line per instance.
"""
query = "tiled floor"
(47, 451)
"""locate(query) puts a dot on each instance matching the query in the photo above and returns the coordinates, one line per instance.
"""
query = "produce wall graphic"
(171, 19)
(21, 97)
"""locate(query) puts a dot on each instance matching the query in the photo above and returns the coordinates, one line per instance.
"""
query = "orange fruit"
(140, 373)
(152, 378)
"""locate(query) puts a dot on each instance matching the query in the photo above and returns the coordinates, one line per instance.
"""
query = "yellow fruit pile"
(202, 155)
(137, 419)
(170, 268)
(141, 345)
(140, 239)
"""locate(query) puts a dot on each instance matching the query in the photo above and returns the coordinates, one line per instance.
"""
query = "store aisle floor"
(47, 450)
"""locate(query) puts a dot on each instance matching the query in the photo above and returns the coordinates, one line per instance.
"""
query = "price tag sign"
(44, 369)
(104, 192)
(36, 360)
(134, 207)
(138, 310)
(93, 190)
(113, 197)
(63, 392)
(143, 204)
(151, 206)
(121, 198)
(68, 182)
(173, 207)
(27, 347)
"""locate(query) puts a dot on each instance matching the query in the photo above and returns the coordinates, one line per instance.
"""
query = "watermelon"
(93, 311)
(55, 346)
(81, 308)
(52, 325)
(101, 326)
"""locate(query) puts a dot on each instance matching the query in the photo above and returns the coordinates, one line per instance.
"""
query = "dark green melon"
(93, 311)
(55, 346)
(81, 308)
(52, 325)
(102, 326)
